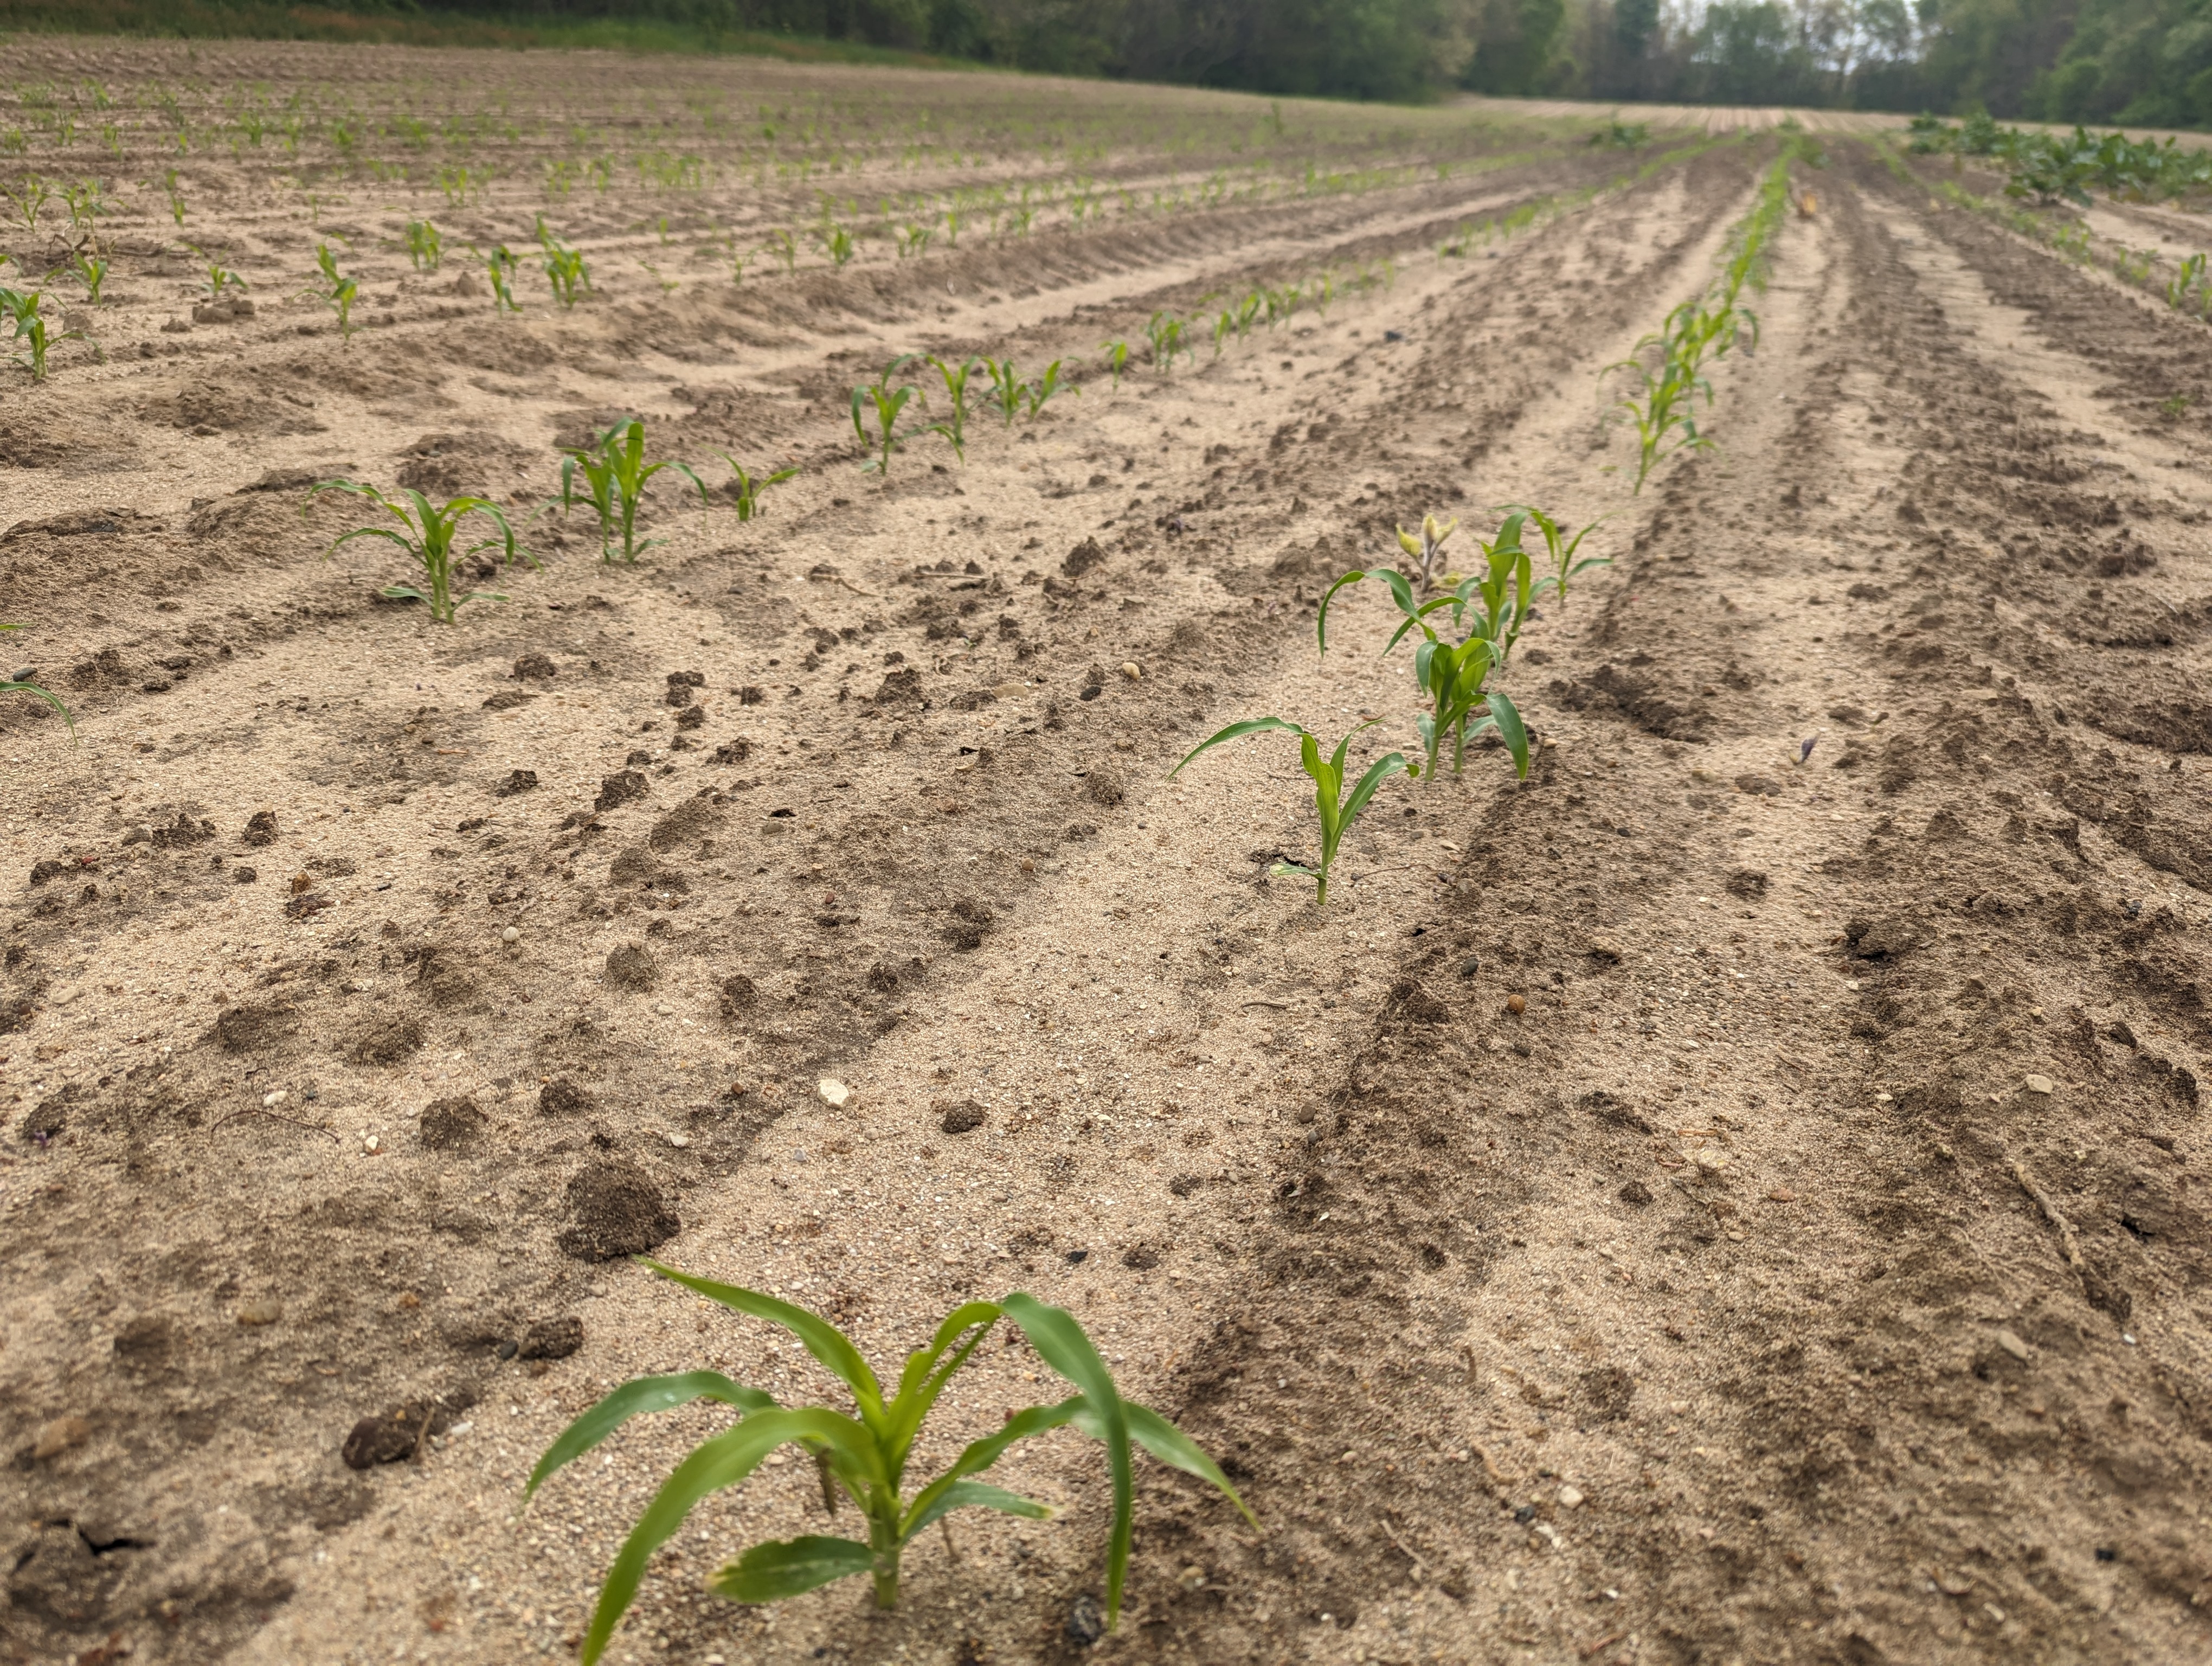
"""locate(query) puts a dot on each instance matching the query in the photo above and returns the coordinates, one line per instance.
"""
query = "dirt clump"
(615, 1209)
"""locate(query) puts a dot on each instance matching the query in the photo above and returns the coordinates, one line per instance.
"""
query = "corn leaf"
(787, 1568)
(636, 1398)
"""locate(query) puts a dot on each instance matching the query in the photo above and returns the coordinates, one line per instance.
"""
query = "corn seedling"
(616, 474)
(219, 277)
(1006, 388)
(427, 532)
(955, 377)
(336, 290)
(454, 182)
(1664, 406)
(25, 682)
(499, 269)
(425, 247)
(749, 489)
(88, 264)
(84, 204)
(23, 310)
(862, 1456)
(29, 195)
(176, 197)
(884, 403)
(1166, 334)
(786, 249)
(1427, 549)
(913, 240)
(1040, 392)
(564, 266)
(2186, 282)
(1454, 675)
(1117, 360)
(837, 243)
(1337, 810)
(1559, 550)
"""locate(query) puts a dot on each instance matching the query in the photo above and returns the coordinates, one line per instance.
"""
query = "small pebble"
(1571, 1498)
(835, 1091)
(2036, 1083)
(663, 1008)
(57, 1436)
(275, 1098)
(512, 934)
(1517, 1004)
(265, 1311)
(1782, 1195)
(2012, 1344)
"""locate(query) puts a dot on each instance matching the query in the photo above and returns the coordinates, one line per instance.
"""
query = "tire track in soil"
(1706, 1310)
(210, 1461)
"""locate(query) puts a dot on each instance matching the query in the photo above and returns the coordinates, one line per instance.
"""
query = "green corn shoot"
(2185, 283)
(176, 197)
(499, 268)
(1664, 406)
(837, 243)
(884, 402)
(427, 533)
(1224, 323)
(1006, 387)
(30, 195)
(24, 312)
(425, 247)
(913, 240)
(750, 489)
(862, 1457)
(1452, 676)
(1166, 334)
(1560, 549)
(1336, 810)
(1117, 360)
(955, 377)
(219, 277)
(336, 291)
(616, 475)
(23, 682)
(564, 266)
(90, 266)
(1039, 394)
(785, 248)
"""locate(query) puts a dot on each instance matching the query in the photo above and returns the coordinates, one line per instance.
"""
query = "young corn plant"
(955, 377)
(884, 403)
(91, 267)
(1039, 394)
(336, 291)
(1337, 810)
(24, 309)
(427, 532)
(1007, 388)
(25, 682)
(749, 489)
(564, 266)
(616, 474)
(1559, 550)
(2187, 284)
(1117, 360)
(425, 247)
(862, 1456)
(837, 243)
(1453, 676)
(499, 270)
(1664, 410)
(1168, 339)
(219, 277)
(786, 250)
(1427, 549)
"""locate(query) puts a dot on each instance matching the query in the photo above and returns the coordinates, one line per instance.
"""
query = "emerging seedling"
(616, 475)
(749, 489)
(1007, 388)
(23, 310)
(1428, 549)
(954, 379)
(1117, 359)
(1166, 334)
(499, 268)
(884, 402)
(425, 247)
(1336, 810)
(336, 291)
(1560, 549)
(25, 682)
(1039, 394)
(564, 266)
(837, 243)
(91, 267)
(427, 533)
(786, 249)
(219, 277)
(862, 1456)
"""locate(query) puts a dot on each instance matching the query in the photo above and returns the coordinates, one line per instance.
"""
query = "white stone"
(2036, 1083)
(835, 1091)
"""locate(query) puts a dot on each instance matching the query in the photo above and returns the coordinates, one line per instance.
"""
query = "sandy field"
(1732, 1197)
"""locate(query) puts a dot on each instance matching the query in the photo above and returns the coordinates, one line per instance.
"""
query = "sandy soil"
(1696, 1205)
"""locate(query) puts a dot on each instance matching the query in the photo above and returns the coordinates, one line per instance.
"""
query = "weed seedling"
(616, 474)
(1040, 392)
(884, 402)
(1336, 810)
(427, 533)
(862, 1456)
(425, 248)
(336, 291)
(25, 682)
(749, 489)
